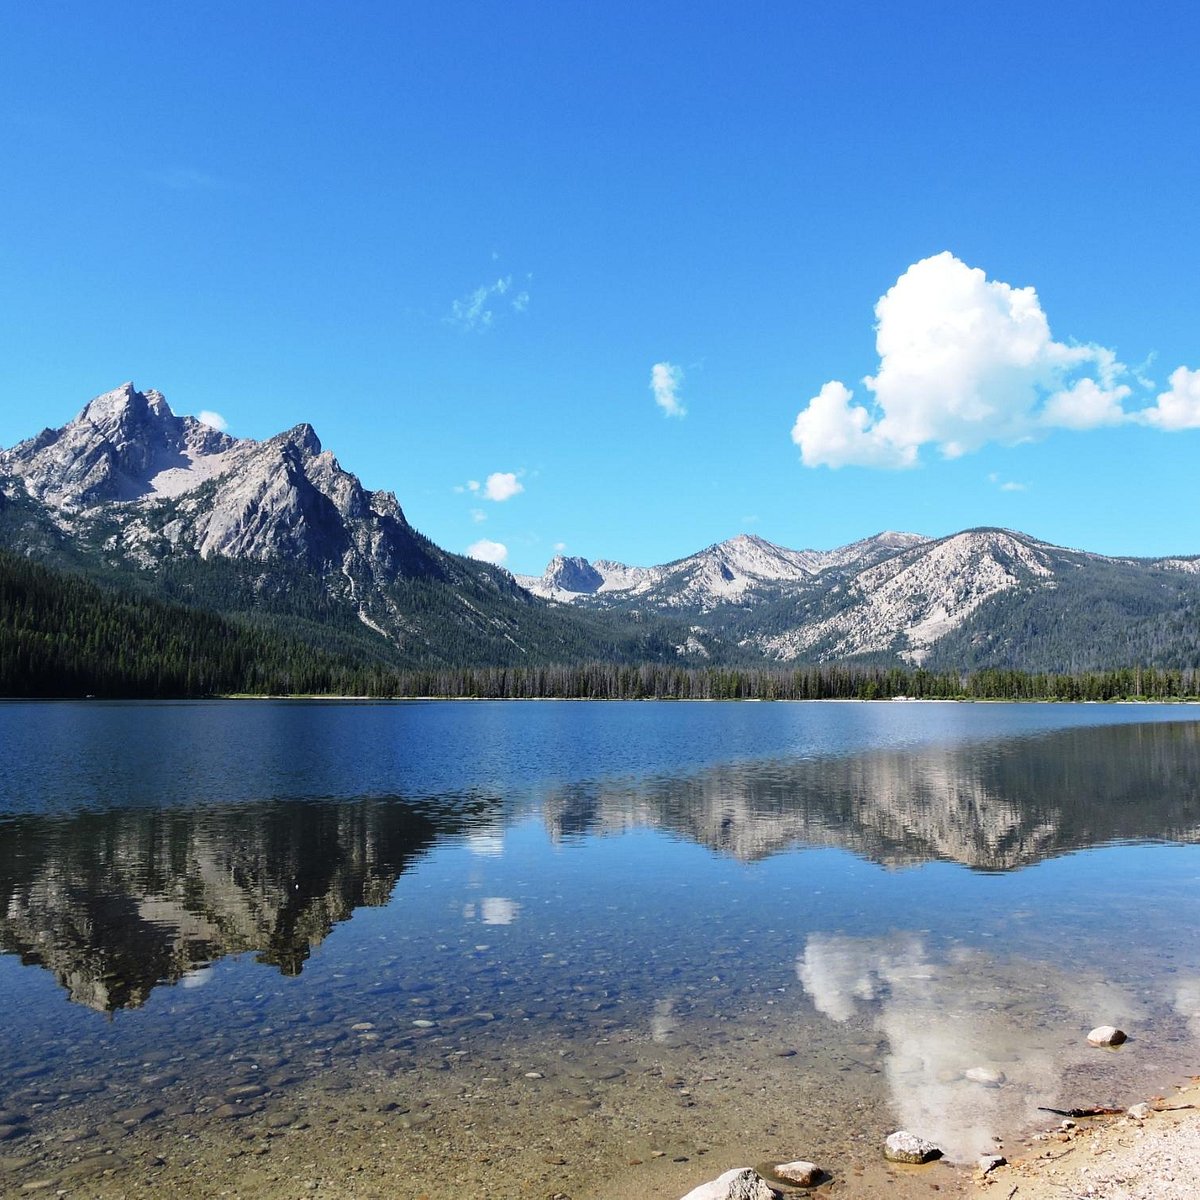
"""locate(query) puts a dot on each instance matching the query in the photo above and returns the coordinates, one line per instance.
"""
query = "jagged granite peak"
(122, 445)
(572, 574)
(156, 486)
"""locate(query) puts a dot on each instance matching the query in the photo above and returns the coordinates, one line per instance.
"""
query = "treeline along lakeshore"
(64, 635)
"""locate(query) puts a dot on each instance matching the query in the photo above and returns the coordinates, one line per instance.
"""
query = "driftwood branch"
(1081, 1112)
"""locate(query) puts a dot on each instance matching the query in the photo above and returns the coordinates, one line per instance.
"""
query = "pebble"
(230, 1112)
(986, 1076)
(138, 1114)
(1106, 1035)
(798, 1173)
(989, 1162)
(424, 1024)
(1140, 1112)
(906, 1147)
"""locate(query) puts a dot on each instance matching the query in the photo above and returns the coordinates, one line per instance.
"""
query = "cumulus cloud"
(665, 381)
(487, 551)
(1086, 405)
(213, 419)
(1178, 408)
(501, 486)
(965, 360)
(478, 515)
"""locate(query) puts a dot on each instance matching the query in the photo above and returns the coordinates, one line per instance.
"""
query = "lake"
(587, 950)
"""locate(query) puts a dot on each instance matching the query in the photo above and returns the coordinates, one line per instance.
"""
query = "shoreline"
(1150, 1152)
(342, 698)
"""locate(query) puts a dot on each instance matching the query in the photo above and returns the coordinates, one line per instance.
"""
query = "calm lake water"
(584, 949)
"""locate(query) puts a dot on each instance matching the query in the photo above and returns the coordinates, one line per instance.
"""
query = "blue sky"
(458, 239)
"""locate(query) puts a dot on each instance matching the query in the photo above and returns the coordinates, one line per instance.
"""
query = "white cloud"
(478, 309)
(832, 432)
(1086, 405)
(963, 361)
(489, 552)
(478, 515)
(1007, 485)
(559, 547)
(665, 381)
(1180, 407)
(498, 910)
(213, 419)
(501, 486)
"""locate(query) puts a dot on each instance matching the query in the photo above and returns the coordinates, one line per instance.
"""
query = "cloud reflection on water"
(1017, 1026)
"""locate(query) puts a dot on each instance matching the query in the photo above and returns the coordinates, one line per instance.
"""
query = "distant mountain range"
(983, 597)
(277, 534)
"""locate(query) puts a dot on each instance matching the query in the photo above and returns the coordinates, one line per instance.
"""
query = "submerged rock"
(906, 1147)
(986, 1076)
(742, 1183)
(1106, 1035)
(799, 1173)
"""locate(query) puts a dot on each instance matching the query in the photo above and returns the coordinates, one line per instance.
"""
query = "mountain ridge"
(277, 532)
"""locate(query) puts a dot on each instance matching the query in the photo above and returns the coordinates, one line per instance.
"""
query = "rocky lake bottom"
(613, 956)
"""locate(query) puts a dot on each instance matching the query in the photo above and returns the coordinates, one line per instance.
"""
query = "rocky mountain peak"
(303, 437)
(111, 451)
(572, 574)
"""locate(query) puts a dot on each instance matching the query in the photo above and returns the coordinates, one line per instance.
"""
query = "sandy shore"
(1112, 1158)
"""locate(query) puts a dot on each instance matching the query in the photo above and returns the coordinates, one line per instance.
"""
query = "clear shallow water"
(584, 929)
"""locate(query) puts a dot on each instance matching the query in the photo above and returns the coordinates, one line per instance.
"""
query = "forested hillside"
(63, 635)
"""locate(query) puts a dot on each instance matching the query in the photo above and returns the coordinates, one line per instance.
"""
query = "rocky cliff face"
(123, 446)
(162, 478)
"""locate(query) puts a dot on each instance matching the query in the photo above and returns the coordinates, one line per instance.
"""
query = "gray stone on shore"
(742, 1183)
(798, 1173)
(905, 1147)
(1139, 1112)
(1106, 1035)
(989, 1162)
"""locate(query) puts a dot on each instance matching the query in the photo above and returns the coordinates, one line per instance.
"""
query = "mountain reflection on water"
(992, 806)
(116, 902)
